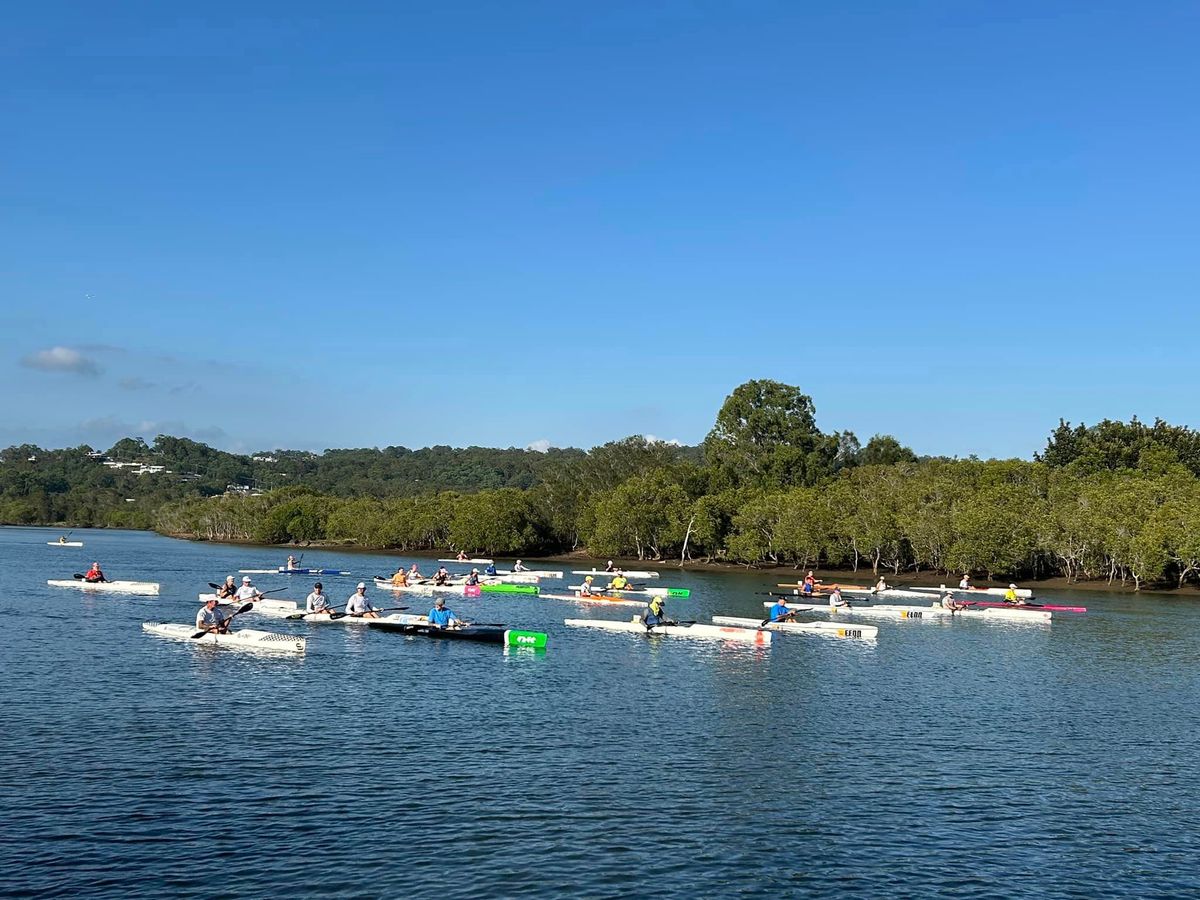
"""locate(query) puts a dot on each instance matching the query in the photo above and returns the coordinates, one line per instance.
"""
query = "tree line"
(1119, 501)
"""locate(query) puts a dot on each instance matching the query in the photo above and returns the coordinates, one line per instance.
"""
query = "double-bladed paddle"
(225, 623)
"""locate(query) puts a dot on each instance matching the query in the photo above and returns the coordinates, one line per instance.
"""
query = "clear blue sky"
(344, 224)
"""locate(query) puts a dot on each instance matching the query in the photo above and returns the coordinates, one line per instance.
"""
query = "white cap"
(1013, 586)
(245, 579)
(362, 584)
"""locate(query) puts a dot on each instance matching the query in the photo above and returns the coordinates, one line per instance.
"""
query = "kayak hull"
(598, 601)
(64, 543)
(823, 629)
(711, 632)
(935, 612)
(482, 634)
(148, 588)
(245, 639)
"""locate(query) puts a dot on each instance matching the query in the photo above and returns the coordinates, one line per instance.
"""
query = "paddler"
(835, 597)
(441, 617)
(965, 583)
(585, 589)
(880, 585)
(462, 556)
(414, 575)
(948, 602)
(618, 583)
(228, 590)
(473, 578)
(490, 570)
(62, 538)
(810, 584)
(400, 578)
(1010, 596)
(291, 563)
(609, 567)
(655, 613)
(520, 567)
(780, 612)
(359, 605)
(94, 575)
(247, 592)
(210, 617)
(441, 576)
(317, 602)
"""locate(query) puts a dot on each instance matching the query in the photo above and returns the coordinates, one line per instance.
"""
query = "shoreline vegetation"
(1114, 504)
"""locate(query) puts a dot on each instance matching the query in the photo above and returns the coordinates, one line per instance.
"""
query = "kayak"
(284, 570)
(483, 634)
(534, 573)
(697, 630)
(649, 592)
(827, 629)
(267, 606)
(116, 587)
(245, 639)
(463, 590)
(628, 573)
(322, 619)
(1014, 614)
(65, 543)
(993, 604)
(508, 588)
(478, 562)
(1023, 593)
(600, 601)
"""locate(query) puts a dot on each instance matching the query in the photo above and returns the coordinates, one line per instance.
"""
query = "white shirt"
(357, 604)
(246, 592)
(316, 602)
(520, 568)
(207, 617)
(965, 583)
(835, 599)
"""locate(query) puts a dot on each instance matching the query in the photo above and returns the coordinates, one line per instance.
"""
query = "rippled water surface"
(966, 758)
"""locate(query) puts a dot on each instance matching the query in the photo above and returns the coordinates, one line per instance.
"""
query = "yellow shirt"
(400, 579)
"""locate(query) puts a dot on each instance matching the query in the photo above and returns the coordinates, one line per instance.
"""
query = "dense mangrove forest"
(1114, 501)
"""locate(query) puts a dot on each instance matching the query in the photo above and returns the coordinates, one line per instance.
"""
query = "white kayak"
(244, 639)
(647, 591)
(398, 618)
(267, 606)
(628, 573)
(929, 612)
(533, 573)
(477, 562)
(115, 587)
(1023, 593)
(64, 543)
(827, 629)
(712, 632)
(598, 601)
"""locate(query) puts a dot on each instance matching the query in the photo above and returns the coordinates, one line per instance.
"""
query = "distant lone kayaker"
(62, 539)
(359, 605)
(442, 617)
(520, 567)
(948, 602)
(965, 583)
(1010, 596)
(210, 617)
(94, 575)
(247, 592)
(655, 613)
(228, 590)
(400, 578)
(317, 603)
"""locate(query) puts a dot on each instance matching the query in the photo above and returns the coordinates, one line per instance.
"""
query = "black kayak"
(483, 634)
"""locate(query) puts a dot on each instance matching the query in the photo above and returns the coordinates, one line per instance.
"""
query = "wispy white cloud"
(61, 359)
(674, 442)
(539, 446)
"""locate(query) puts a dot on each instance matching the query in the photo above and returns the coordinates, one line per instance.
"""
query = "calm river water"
(967, 758)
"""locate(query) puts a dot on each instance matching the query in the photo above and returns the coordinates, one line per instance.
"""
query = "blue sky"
(340, 225)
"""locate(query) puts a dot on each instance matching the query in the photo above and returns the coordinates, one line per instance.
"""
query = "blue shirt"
(490, 570)
(441, 617)
(779, 610)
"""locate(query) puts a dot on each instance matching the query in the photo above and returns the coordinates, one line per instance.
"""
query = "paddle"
(203, 631)
(79, 577)
(337, 615)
